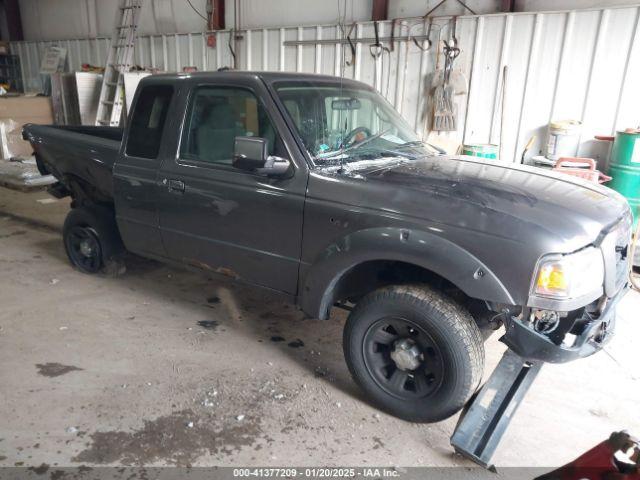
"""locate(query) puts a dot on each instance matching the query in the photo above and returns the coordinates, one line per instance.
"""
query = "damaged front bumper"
(577, 337)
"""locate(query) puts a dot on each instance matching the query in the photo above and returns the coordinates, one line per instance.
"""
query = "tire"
(92, 241)
(443, 358)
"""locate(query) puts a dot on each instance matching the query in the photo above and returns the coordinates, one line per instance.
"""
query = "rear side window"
(150, 113)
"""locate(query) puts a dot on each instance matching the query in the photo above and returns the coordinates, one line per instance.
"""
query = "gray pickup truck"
(316, 188)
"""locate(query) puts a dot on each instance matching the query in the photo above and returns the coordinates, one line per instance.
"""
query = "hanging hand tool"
(454, 26)
(352, 46)
(429, 44)
(445, 111)
(377, 47)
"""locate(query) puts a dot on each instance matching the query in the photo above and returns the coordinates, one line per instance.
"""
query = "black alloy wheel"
(83, 248)
(402, 358)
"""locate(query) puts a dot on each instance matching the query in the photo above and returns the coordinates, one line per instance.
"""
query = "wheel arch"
(367, 257)
(85, 194)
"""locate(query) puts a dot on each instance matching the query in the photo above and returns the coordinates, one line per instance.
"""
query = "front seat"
(216, 134)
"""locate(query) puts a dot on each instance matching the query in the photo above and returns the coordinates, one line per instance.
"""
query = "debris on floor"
(208, 324)
(208, 402)
(55, 369)
(297, 343)
(23, 175)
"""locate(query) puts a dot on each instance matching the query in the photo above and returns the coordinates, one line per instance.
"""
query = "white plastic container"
(563, 139)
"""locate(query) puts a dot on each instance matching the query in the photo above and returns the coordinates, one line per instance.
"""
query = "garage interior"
(171, 367)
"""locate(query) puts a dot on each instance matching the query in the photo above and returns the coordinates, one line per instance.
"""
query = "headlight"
(569, 276)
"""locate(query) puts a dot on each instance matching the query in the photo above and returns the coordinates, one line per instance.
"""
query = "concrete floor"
(166, 367)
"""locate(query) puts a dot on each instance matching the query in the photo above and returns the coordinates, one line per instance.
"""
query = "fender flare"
(420, 248)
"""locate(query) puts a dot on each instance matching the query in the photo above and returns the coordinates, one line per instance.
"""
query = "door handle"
(174, 185)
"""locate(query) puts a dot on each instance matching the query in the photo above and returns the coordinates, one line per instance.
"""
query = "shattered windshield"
(341, 125)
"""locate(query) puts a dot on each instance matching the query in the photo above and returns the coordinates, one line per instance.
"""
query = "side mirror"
(251, 154)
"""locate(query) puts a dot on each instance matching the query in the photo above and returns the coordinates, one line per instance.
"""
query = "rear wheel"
(415, 352)
(83, 249)
(92, 241)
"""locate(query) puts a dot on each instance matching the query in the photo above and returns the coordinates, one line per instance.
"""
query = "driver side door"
(223, 219)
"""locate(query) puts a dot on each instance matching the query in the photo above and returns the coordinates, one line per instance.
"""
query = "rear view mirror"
(251, 154)
(346, 104)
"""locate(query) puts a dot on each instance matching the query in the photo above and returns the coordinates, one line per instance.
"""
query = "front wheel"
(415, 352)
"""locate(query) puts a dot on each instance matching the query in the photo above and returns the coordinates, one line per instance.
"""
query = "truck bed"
(79, 157)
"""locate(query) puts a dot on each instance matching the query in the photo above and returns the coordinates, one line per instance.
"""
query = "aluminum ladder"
(119, 61)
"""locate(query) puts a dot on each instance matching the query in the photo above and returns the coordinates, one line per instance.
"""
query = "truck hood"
(480, 195)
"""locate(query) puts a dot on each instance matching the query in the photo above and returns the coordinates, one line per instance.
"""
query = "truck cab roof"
(267, 77)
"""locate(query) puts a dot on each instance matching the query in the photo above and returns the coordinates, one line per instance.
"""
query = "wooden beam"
(509, 6)
(14, 22)
(380, 10)
(217, 16)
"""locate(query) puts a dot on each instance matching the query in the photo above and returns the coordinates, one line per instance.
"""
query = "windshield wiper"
(415, 143)
(418, 143)
(354, 147)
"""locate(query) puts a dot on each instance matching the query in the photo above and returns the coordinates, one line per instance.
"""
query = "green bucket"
(625, 169)
(481, 150)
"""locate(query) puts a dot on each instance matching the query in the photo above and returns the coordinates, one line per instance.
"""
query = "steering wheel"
(349, 136)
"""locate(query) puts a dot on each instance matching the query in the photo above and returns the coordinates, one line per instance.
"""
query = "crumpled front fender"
(420, 248)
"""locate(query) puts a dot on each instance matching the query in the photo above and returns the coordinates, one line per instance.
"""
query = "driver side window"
(216, 116)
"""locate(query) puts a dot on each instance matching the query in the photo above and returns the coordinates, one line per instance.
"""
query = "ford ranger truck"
(316, 188)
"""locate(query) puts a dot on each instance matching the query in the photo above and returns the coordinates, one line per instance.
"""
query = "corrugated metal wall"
(581, 65)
